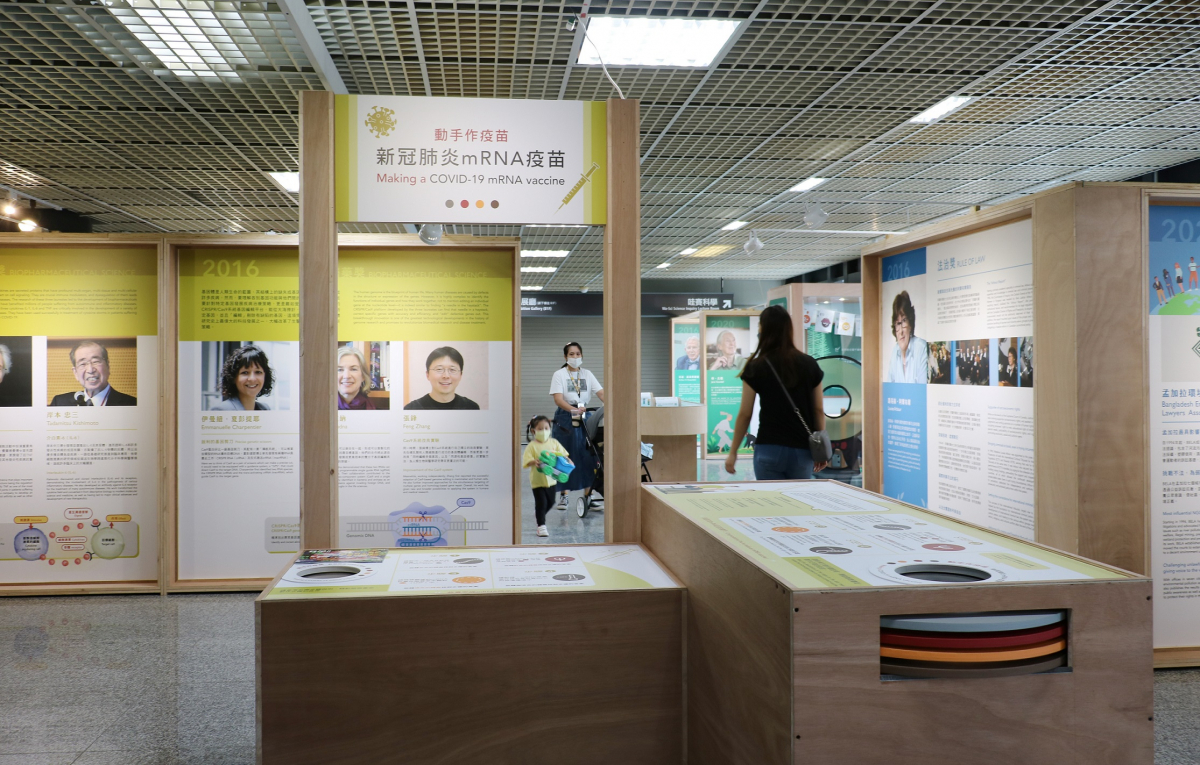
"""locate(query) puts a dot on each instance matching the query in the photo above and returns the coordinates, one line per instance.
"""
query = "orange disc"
(995, 654)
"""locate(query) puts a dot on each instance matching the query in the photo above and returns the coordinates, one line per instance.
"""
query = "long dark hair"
(566, 348)
(776, 342)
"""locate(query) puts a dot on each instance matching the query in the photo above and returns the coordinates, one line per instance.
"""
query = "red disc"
(970, 639)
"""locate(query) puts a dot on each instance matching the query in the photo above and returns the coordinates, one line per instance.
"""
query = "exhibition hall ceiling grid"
(99, 116)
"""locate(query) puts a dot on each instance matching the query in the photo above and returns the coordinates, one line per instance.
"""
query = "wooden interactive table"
(828, 625)
(540, 654)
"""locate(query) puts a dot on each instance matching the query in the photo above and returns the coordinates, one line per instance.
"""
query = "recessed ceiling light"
(545, 253)
(10, 209)
(195, 42)
(687, 251)
(538, 269)
(663, 265)
(27, 225)
(529, 288)
(735, 225)
(710, 250)
(808, 184)
(941, 109)
(557, 225)
(634, 41)
(289, 182)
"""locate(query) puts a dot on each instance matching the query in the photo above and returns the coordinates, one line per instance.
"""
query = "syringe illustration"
(575, 189)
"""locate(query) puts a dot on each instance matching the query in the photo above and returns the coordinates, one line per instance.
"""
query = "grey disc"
(1017, 620)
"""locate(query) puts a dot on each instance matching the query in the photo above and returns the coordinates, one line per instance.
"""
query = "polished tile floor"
(147, 680)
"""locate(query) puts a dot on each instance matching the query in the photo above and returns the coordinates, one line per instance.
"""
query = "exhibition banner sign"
(238, 412)
(957, 361)
(470, 160)
(1173, 287)
(728, 341)
(78, 415)
(688, 361)
(426, 439)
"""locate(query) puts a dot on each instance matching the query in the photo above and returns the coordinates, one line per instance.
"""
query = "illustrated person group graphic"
(1164, 288)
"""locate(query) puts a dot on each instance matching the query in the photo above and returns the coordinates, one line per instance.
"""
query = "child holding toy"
(549, 465)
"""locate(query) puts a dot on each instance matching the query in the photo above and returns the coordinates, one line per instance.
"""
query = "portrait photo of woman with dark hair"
(245, 376)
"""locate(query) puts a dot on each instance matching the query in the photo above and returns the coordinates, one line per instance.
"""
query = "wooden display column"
(622, 325)
(318, 324)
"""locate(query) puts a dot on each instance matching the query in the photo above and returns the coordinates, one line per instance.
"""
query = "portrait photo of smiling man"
(91, 368)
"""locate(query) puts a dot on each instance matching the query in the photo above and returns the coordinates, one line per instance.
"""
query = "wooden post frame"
(318, 324)
(622, 325)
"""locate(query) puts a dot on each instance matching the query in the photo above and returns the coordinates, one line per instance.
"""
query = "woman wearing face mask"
(352, 380)
(572, 388)
(245, 376)
(444, 371)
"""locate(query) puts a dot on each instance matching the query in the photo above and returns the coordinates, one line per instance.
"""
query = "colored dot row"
(467, 203)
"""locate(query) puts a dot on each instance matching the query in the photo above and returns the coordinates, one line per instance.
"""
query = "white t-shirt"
(577, 386)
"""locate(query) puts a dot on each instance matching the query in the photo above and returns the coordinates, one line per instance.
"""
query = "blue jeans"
(773, 462)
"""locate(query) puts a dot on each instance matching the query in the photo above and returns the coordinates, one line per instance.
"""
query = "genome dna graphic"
(419, 525)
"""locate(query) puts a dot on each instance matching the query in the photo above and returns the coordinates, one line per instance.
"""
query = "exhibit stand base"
(829, 625)
(471, 655)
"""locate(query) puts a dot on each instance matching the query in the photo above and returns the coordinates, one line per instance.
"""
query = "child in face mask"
(544, 486)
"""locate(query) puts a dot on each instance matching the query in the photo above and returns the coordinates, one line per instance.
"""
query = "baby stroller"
(593, 436)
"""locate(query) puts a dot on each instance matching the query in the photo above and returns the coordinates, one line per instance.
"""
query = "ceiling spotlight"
(814, 216)
(941, 109)
(584, 290)
(735, 225)
(10, 208)
(808, 184)
(430, 233)
(27, 225)
(752, 244)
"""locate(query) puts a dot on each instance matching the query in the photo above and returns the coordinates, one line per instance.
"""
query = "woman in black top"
(781, 451)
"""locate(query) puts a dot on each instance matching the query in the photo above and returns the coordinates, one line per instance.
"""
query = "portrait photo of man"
(90, 366)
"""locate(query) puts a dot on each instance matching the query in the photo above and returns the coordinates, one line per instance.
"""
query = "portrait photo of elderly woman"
(16, 371)
(245, 376)
(910, 356)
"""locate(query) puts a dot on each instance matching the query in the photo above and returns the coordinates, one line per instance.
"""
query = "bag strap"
(782, 387)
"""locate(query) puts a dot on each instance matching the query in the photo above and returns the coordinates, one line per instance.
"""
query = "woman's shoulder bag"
(818, 441)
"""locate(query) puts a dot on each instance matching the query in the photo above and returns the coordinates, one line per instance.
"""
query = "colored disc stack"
(973, 645)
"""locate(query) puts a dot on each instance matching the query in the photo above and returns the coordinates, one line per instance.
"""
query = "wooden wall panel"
(1111, 330)
(739, 679)
(622, 325)
(872, 276)
(544, 678)
(1055, 386)
(318, 324)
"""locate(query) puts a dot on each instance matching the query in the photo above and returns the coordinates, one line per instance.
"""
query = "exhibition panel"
(729, 338)
(957, 368)
(238, 410)
(687, 362)
(434, 462)
(514, 654)
(868, 628)
(79, 414)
